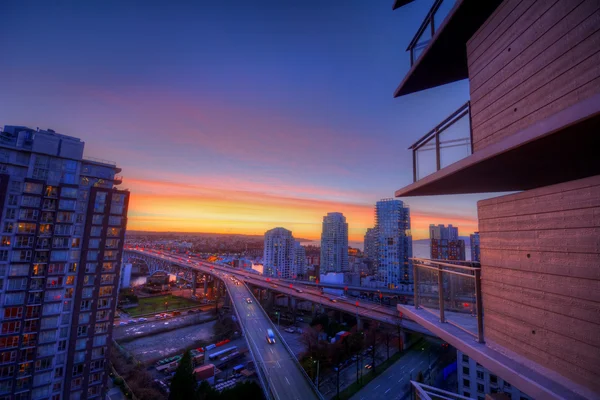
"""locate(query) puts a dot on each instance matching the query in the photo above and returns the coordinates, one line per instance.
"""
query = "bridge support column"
(205, 285)
(270, 298)
(359, 324)
(194, 282)
(227, 301)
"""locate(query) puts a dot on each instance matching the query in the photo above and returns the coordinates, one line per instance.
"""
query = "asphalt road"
(394, 383)
(284, 377)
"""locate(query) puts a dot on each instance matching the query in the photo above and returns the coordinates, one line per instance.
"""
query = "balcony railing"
(426, 392)
(458, 288)
(447, 143)
(433, 20)
(99, 160)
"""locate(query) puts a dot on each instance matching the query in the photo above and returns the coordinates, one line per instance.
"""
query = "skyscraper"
(62, 231)
(445, 244)
(278, 259)
(334, 243)
(394, 242)
(475, 254)
(299, 260)
(371, 244)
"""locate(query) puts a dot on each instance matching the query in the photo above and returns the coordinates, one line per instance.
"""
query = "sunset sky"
(233, 116)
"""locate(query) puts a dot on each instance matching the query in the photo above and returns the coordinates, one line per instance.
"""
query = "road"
(284, 377)
(394, 383)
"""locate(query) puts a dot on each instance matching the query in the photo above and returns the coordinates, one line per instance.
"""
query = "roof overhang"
(560, 148)
(530, 378)
(444, 60)
(400, 3)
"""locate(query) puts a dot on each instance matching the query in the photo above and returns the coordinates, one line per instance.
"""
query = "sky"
(233, 116)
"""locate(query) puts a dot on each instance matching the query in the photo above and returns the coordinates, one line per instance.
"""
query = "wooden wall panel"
(540, 257)
(538, 58)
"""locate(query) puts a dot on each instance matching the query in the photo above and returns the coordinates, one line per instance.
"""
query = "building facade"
(334, 243)
(278, 256)
(394, 242)
(475, 252)
(299, 260)
(443, 232)
(370, 244)
(528, 127)
(444, 243)
(62, 228)
(474, 381)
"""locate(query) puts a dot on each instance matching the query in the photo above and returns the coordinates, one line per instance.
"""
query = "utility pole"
(318, 363)
(338, 381)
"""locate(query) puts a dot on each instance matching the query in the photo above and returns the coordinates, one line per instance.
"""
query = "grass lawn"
(149, 305)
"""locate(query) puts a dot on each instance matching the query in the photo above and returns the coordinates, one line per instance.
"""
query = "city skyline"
(286, 157)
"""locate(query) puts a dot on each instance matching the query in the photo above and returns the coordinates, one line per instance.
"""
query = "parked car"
(290, 330)
(142, 319)
(158, 316)
(368, 366)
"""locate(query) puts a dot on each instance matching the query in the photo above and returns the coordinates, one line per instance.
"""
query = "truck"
(205, 373)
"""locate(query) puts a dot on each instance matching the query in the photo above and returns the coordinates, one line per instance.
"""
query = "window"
(108, 267)
(97, 219)
(104, 303)
(38, 269)
(98, 352)
(63, 230)
(81, 344)
(8, 357)
(101, 328)
(87, 292)
(26, 228)
(113, 232)
(479, 374)
(51, 308)
(58, 372)
(65, 204)
(90, 268)
(92, 255)
(8, 227)
(56, 269)
(84, 318)
(51, 191)
(99, 202)
(466, 370)
(111, 243)
(110, 254)
(5, 241)
(62, 345)
(100, 340)
(32, 201)
(70, 280)
(13, 200)
(27, 214)
(13, 312)
(6, 342)
(75, 243)
(79, 357)
(96, 231)
(68, 293)
(78, 370)
(106, 279)
(65, 217)
(49, 322)
(114, 220)
(89, 279)
(480, 388)
(46, 230)
(11, 327)
(466, 383)
(44, 363)
(32, 187)
(82, 331)
(59, 255)
(60, 242)
(106, 291)
(68, 192)
(86, 305)
(73, 267)
(11, 213)
(14, 298)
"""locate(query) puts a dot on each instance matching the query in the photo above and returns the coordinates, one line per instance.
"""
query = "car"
(300, 319)
(369, 366)
(142, 319)
(249, 300)
(354, 358)
(158, 316)
(122, 323)
(333, 300)
(270, 336)
(290, 330)
(299, 291)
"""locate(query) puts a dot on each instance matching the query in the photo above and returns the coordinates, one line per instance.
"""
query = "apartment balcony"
(438, 52)
(450, 141)
(457, 316)
(118, 179)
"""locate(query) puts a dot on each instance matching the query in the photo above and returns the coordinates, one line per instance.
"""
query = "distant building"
(125, 276)
(278, 256)
(475, 254)
(394, 242)
(333, 278)
(370, 245)
(334, 243)
(299, 260)
(445, 244)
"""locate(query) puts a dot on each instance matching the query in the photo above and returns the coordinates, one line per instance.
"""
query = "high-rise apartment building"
(370, 244)
(444, 243)
(475, 252)
(278, 257)
(530, 127)
(299, 260)
(334, 243)
(62, 229)
(394, 242)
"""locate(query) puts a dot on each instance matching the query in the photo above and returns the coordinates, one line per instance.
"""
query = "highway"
(363, 309)
(284, 378)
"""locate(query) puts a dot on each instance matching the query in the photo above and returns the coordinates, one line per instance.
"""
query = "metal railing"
(99, 160)
(453, 281)
(426, 392)
(445, 144)
(434, 18)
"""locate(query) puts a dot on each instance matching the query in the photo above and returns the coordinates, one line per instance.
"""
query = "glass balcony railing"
(445, 144)
(430, 25)
(452, 290)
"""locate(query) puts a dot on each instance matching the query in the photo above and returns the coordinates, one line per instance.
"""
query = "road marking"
(377, 387)
(412, 370)
(390, 376)
(399, 380)
(286, 379)
(387, 390)
(271, 350)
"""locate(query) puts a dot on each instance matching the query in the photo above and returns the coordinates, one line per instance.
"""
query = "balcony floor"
(531, 378)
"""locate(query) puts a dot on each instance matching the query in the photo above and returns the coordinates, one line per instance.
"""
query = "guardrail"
(263, 379)
(289, 350)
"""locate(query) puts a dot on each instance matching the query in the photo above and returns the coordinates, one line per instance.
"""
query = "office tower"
(530, 127)
(299, 260)
(371, 244)
(444, 243)
(475, 252)
(394, 242)
(334, 243)
(62, 229)
(278, 258)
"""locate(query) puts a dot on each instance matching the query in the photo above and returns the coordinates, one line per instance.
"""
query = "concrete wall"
(531, 59)
(540, 256)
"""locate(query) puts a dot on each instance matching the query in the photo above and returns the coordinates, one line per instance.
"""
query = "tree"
(224, 328)
(246, 390)
(183, 386)
(206, 392)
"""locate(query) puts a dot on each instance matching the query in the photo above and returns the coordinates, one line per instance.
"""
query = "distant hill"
(199, 234)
